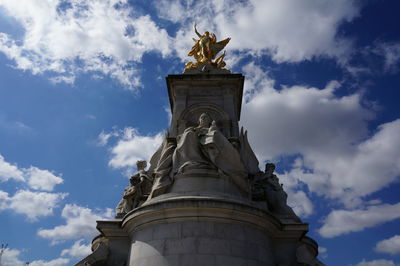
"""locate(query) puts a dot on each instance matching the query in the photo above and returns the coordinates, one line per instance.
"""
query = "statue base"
(206, 68)
(200, 230)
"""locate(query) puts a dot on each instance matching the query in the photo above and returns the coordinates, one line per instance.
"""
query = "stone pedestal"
(186, 230)
(196, 230)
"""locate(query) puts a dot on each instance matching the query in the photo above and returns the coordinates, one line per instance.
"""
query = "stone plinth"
(209, 231)
(196, 230)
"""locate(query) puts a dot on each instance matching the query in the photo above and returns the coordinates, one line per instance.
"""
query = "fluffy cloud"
(36, 178)
(77, 250)
(300, 203)
(55, 262)
(9, 171)
(390, 245)
(277, 28)
(10, 257)
(299, 118)
(103, 138)
(42, 179)
(340, 222)
(131, 147)
(381, 262)
(32, 204)
(370, 166)
(63, 38)
(3, 200)
(80, 222)
(337, 156)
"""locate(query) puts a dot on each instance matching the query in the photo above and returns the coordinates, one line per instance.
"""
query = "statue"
(249, 159)
(126, 204)
(136, 192)
(266, 187)
(205, 49)
(199, 148)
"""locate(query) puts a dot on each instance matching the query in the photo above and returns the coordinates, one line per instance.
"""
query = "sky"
(83, 97)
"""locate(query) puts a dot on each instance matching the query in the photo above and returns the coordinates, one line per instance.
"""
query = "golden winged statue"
(205, 49)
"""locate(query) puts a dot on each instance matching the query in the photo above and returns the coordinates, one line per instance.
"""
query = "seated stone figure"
(197, 149)
(136, 192)
(266, 187)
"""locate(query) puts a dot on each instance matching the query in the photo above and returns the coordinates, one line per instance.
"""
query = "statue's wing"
(218, 46)
(156, 157)
(195, 49)
(247, 155)
(213, 38)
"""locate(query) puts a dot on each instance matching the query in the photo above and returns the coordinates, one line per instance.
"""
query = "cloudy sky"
(83, 96)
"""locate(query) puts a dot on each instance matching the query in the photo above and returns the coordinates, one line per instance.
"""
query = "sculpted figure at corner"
(266, 187)
(136, 192)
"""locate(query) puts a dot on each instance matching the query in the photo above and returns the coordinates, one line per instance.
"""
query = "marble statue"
(205, 50)
(126, 203)
(200, 148)
(136, 192)
(266, 187)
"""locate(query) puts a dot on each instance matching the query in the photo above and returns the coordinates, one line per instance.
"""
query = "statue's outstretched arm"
(195, 30)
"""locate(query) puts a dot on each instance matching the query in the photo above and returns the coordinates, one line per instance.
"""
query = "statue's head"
(204, 120)
(141, 165)
(207, 33)
(270, 167)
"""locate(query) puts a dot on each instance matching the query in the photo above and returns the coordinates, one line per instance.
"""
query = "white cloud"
(3, 200)
(300, 203)
(77, 250)
(337, 156)
(391, 55)
(289, 31)
(36, 178)
(381, 262)
(132, 147)
(9, 171)
(299, 118)
(323, 252)
(42, 179)
(80, 222)
(376, 59)
(103, 138)
(297, 199)
(10, 257)
(110, 37)
(360, 171)
(390, 245)
(55, 262)
(100, 36)
(32, 204)
(340, 222)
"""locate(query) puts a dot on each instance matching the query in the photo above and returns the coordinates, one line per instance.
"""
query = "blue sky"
(83, 96)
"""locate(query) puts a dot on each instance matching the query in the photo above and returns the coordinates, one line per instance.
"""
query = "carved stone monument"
(204, 200)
